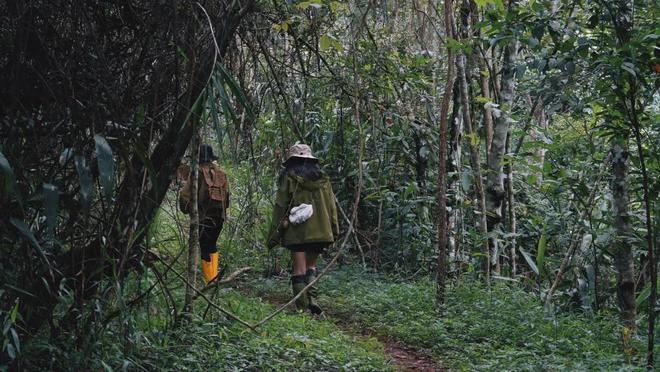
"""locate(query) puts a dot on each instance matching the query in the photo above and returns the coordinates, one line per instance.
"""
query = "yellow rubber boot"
(210, 268)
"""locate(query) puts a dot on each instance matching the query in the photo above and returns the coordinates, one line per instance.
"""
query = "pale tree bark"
(494, 175)
(484, 82)
(623, 255)
(512, 208)
(193, 238)
(442, 156)
(475, 162)
(454, 187)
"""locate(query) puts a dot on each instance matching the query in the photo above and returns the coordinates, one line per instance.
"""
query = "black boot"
(312, 293)
(298, 283)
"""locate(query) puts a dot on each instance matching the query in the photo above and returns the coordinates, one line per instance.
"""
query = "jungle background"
(495, 163)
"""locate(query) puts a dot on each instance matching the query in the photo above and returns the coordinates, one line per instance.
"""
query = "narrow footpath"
(402, 357)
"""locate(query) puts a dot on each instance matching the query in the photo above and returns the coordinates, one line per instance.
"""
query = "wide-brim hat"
(206, 154)
(300, 150)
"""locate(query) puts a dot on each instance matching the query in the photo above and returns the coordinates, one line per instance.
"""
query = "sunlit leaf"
(324, 42)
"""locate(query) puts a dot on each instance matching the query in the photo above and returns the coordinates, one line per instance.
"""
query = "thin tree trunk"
(623, 255)
(649, 241)
(442, 156)
(474, 160)
(193, 238)
(494, 176)
(454, 187)
(485, 91)
(512, 207)
(585, 215)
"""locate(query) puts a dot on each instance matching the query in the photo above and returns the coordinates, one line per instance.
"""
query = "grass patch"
(287, 342)
(505, 328)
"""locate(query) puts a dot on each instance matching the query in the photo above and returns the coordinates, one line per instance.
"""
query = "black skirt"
(317, 248)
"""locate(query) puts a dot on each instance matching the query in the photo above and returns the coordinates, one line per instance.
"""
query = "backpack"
(216, 192)
(213, 193)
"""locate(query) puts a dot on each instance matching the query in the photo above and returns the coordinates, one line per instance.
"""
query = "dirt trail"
(403, 357)
(406, 359)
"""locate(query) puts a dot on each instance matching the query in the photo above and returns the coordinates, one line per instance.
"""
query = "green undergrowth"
(504, 328)
(287, 342)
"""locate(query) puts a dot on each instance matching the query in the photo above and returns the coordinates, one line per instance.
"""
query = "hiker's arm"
(279, 213)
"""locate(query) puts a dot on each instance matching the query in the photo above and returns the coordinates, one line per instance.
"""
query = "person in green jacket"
(304, 219)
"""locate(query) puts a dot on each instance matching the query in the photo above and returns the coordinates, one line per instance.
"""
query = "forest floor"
(501, 328)
(403, 357)
(373, 322)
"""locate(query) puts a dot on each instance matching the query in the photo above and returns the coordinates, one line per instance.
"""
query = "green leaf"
(483, 3)
(540, 252)
(11, 352)
(235, 88)
(8, 176)
(629, 67)
(224, 99)
(466, 181)
(27, 233)
(307, 4)
(529, 260)
(324, 42)
(17, 342)
(643, 295)
(106, 165)
(533, 42)
(13, 313)
(51, 205)
(215, 117)
(454, 44)
(570, 67)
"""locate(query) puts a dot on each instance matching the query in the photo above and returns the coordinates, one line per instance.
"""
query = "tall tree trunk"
(494, 176)
(512, 207)
(454, 187)
(475, 162)
(623, 257)
(442, 156)
(193, 238)
(623, 254)
(485, 91)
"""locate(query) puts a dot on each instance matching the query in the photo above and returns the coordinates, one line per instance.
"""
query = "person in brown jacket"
(212, 202)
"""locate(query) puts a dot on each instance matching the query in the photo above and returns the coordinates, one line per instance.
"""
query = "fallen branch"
(230, 278)
(355, 234)
(211, 303)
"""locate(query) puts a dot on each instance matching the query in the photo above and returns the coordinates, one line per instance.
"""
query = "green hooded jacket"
(321, 227)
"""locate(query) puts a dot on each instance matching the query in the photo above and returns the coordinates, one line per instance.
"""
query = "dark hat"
(206, 154)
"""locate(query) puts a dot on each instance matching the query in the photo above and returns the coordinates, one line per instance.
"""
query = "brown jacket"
(207, 206)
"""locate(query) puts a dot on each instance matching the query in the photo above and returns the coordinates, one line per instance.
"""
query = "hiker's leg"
(310, 259)
(298, 278)
(312, 256)
(209, 230)
(299, 260)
